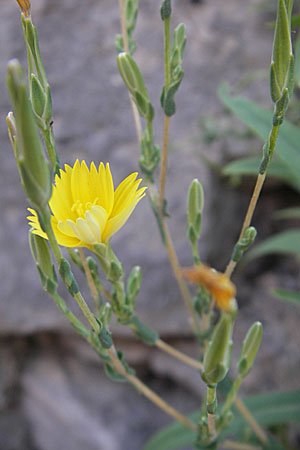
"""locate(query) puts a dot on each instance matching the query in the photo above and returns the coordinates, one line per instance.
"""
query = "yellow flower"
(217, 283)
(86, 209)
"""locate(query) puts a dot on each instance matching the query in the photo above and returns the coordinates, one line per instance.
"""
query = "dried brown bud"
(218, 284)
(25, 7)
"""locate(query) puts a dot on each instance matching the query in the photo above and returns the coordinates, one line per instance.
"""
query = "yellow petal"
(62, 200)
(116, 222)
(125, 194)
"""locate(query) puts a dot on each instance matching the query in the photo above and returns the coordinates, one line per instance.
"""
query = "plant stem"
(259, 432)
(91, 283)
(163, 167)
(211, 405)
(149, 393)
(232, 398)
(61, 304)
(179, 355)
(164, 159)
(179, 277)
(231, 445)
(78, 296)
(136, 116)
(256, 192)
(123, 26)
(251, 208)
(87, 312)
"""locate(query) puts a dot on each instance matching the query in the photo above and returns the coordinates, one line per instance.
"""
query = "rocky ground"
(53, 391)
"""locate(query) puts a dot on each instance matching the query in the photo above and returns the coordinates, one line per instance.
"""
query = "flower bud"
(282, 57)
(243, 245)
(42, 256)
(218, 354)
(34, 169)
(194, 212)
(133, 285)
(133, 79)
(250, 347)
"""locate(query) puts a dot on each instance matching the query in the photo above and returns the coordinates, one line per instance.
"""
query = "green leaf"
(268, 409)
(286, 242)
(287, 296)
(249, 166)
(297, 60)
(288, 213)
(259, 120)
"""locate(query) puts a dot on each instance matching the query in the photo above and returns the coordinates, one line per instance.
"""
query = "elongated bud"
(25, 7)
(243, 245)
(67, 276)
(42, 256)
(194, 212)
(218, 354)
(282, 57)
(133, 285)
(250, 348)
(133, 79)
(178, 46)
(12, 132)
(32, 164)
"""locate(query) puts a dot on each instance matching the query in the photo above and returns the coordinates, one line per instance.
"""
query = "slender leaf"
(250, 166)
(287, 296)
(297, 60)
(286, 242)
(268, 409)
(259, 120)
(288, 213)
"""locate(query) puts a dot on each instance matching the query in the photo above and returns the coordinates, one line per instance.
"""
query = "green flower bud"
(133, 285)
(67, 276)
(34, 169)
(178, 46)
(250, 347)
(42, 256)
(133, 79)
(243, 245)
(195, 208)
(218, 354)
(282, 63)
(12, 132)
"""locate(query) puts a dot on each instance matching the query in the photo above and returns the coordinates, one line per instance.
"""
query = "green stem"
(231, 396)
(167, 58)
(61, 304)
(271, 143)
(211, 406)
(51, 149)
(164, 158)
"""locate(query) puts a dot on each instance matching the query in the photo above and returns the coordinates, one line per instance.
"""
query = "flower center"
(80, 208)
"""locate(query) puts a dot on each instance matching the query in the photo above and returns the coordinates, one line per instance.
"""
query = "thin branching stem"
(231, 445)
(164, 161)
(136, 116)
(178, 355)
(259, 432)
(90, 281)
(248, 218)
(149, 393)
(167, 119)
(179, 277)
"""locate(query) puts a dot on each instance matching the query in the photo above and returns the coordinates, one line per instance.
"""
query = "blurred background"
(53, 391)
